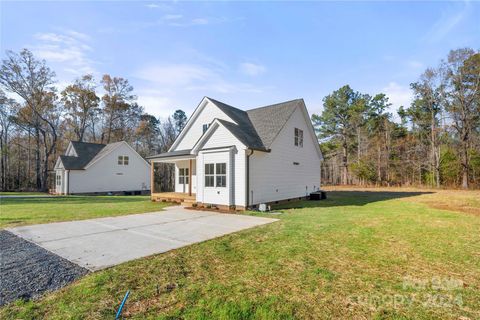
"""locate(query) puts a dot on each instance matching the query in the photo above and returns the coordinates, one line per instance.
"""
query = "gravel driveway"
(27, 270)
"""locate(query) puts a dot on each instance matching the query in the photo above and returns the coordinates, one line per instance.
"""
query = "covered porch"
(183, 187)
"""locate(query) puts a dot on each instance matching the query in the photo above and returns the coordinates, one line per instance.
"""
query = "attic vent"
(296, 163)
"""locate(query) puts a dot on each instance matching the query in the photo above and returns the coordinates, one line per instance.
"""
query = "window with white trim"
(123, 160)
(209, 175)
(183, 176)
(216, 175)
(221, 175)
(59, 180)
(298, 140)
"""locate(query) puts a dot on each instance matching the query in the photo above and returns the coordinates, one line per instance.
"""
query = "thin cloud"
(152, 6)
(252, 69)
(69, 49)
(447, 23)
(175, 74)
(172, 16)
(175, 79)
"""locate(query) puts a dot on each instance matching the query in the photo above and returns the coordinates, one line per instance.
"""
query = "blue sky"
(246, 54)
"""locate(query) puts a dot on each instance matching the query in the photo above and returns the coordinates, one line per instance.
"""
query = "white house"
(233, 158)
(100, 168)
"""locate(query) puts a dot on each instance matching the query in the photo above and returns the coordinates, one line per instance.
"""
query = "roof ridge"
(87, 142)
(275, 104)
(225, 104)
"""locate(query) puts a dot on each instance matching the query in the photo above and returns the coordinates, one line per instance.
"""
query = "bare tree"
(33, 81)
(462, 90)
(81, 106)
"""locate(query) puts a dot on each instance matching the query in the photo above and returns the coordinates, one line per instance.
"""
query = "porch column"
(152, 176)
(190, 177)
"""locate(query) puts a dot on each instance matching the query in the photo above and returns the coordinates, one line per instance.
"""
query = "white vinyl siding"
(102, 176)
(205, 117)
(287, 171)
(233, 155)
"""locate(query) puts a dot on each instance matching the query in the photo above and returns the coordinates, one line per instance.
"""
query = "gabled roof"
(86, 152)
(257, 128)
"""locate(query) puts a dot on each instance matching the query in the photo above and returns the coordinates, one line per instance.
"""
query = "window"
(183, 176)
(205, 127)
(216, 175)
(209, 175)
(298, 137)
(59, 180)
(123, 160)
(221, 173)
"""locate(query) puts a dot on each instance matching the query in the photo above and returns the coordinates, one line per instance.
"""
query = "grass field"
(358, 254)
(23, 211)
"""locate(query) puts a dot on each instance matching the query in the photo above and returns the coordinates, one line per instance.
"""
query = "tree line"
(436, 143)
(38, 123)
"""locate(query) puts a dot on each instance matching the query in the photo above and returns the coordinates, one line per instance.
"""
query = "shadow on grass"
(348, 198)
(73, 200)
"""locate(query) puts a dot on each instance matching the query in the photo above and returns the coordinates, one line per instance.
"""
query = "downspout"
(247, 182)
(68, 182)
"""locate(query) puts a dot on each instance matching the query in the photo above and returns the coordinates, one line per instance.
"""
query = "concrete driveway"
(100, 243)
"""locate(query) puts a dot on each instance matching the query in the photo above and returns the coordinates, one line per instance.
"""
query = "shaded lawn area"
(23, 211)
(355, 255)
(21, 193)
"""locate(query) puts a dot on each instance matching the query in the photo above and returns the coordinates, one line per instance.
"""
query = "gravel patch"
(27, 270)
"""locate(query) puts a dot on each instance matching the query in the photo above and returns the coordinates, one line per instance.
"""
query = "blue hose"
(119, 312)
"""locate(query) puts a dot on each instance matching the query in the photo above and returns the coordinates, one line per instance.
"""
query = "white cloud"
(252, 69)
(398, 95)
(156, 102)
(70, 49)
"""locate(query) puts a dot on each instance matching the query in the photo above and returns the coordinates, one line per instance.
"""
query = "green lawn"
(362, 255)
(22, 211)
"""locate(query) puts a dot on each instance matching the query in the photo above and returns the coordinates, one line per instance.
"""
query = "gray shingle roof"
(85, 153)
(269, 120)
(109, 147)
(257, 128)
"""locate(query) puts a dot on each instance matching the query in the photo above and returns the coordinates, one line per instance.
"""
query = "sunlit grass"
(23, 211)
(356, 255)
